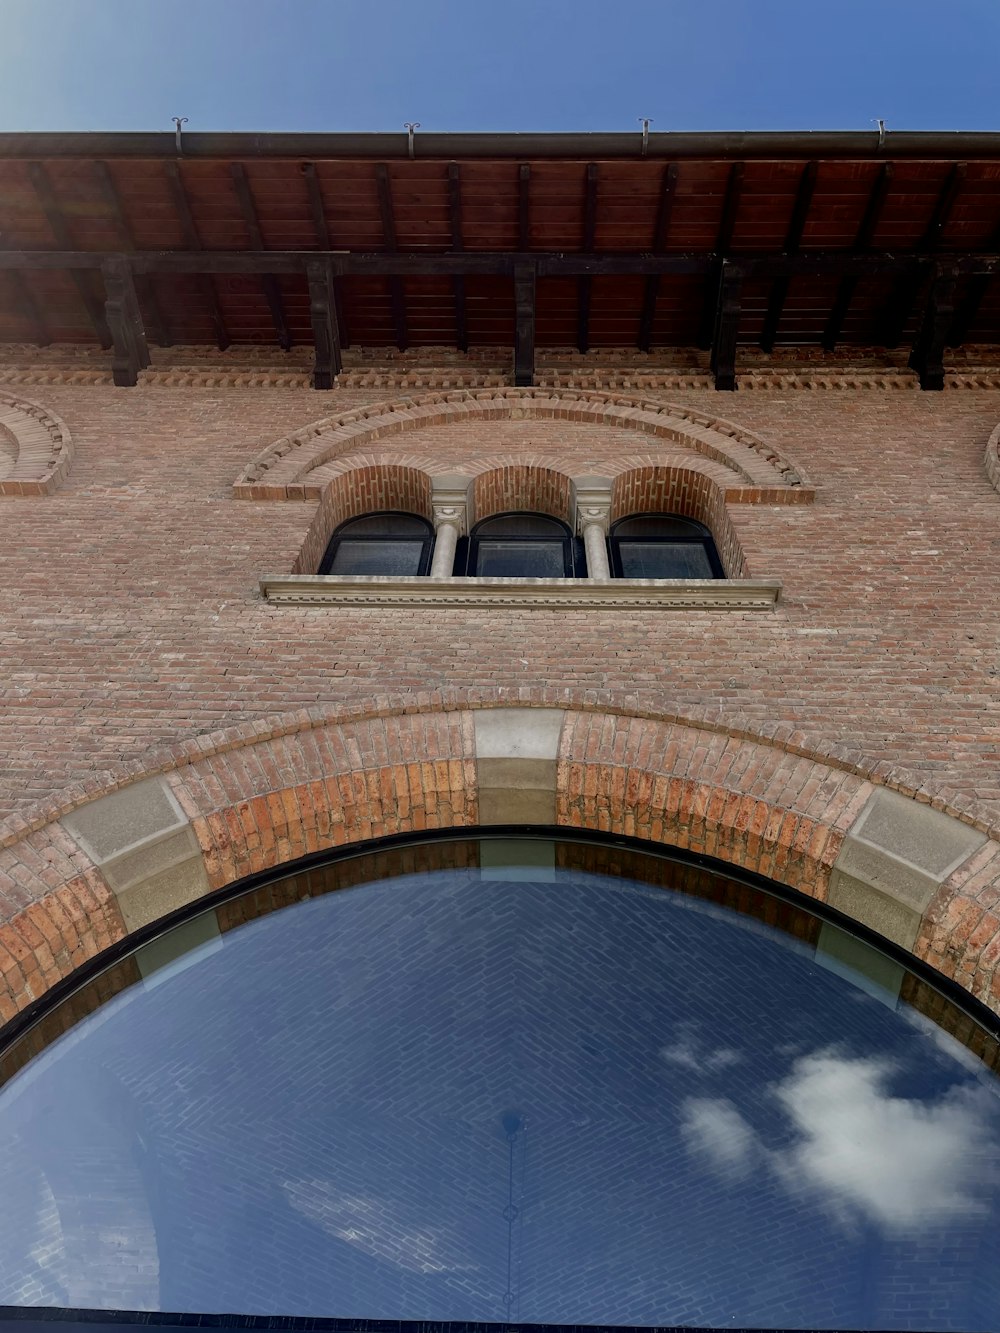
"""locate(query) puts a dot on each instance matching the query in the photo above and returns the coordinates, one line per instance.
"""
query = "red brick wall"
(130, 616)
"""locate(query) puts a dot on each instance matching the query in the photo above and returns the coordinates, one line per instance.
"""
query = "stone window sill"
(651, 594)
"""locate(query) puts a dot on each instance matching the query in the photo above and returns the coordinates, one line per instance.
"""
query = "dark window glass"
(663, 546)
(522, 546)
(524, 1081)
(386, 543)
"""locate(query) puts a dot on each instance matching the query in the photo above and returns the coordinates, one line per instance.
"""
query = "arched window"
(663, 546)
(521, 546)
(387, 543)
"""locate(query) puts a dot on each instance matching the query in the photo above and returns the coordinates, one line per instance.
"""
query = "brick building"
(218, 351)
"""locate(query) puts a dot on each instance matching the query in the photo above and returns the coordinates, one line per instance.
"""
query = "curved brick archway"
(35, 448)
(105, 863)
(283, 470)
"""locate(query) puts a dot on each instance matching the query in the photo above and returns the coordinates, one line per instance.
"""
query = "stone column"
(593, 514)
(449, 510)
(447, 530)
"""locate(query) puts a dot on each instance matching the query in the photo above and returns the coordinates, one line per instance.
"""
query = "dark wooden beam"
(723, 243)
(661, 229)
(457, 245)
(899, 306)
(727, 318)
(143, 283)
(323, 240)
(84, 283)
(524, 207)
(549, 263)
(793, 239)
(927, 356)
(396, 295)
(131, 352)
(862, 242)
(269, 283)
(524, 325)
(589, 234)
(323, 312)
(192, 240)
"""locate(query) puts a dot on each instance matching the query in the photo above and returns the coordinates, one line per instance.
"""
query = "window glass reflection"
(545, 1082)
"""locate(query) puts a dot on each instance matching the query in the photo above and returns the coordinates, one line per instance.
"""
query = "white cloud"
(715, 1128)
(902, 1163)
(376, 1227)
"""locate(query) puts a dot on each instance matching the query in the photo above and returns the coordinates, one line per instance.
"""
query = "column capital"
(454, 514)
(593, 503)
(450, 503)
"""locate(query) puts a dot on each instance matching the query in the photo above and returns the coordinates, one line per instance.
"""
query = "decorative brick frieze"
(284, 470)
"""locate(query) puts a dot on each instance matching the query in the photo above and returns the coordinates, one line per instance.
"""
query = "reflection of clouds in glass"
(686, 1052)
(900, 1162)
(715, 1128)
(903, 1163)
(374, 1226)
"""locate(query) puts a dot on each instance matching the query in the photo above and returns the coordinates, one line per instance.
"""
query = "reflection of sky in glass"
(547, 1096)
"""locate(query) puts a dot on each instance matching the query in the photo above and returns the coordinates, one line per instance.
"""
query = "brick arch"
(283, 470)
(87, 871)
(522, 486)
(679, 490)
(363, 490)
(36, 448)
(992, 459)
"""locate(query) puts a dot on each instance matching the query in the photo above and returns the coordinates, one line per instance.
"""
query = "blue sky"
(500, 65)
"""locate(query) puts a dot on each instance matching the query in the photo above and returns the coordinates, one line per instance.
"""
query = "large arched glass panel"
(663, 546)
(386, 543)
(522, 546)
(519, 1081)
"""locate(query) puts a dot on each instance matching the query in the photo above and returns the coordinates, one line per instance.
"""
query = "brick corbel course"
(125, 858)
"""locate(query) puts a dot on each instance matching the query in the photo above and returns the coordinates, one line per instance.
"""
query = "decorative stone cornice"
(528, 594)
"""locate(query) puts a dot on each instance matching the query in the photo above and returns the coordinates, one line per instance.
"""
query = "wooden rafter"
(967, 308)
(59, 227)
(389, 233)
(862, 242)
(723, 244)
(589, 234)
(524, 206)
(192, 239)
(899, 306)
(272, 289)
(458, 245)
(661, 229)
(318, 213)
(144, 284)
(793, 239)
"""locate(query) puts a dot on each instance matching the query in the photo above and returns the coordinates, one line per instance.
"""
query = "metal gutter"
(799, 145)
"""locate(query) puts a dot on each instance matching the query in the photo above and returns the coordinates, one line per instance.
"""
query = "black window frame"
(341, 532)
(702, 537)
(574, 556)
